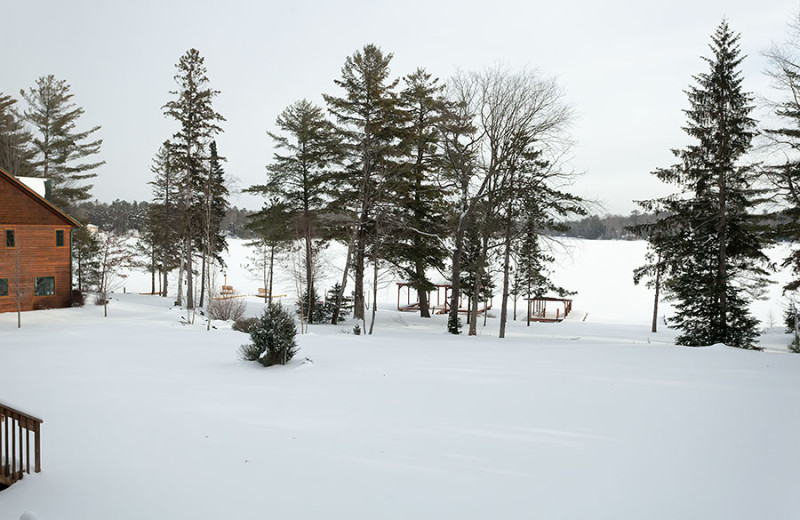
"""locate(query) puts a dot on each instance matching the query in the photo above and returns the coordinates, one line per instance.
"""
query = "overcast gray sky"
(624, 65)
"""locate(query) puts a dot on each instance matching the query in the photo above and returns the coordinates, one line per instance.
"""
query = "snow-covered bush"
(272, 337)
(227, 308)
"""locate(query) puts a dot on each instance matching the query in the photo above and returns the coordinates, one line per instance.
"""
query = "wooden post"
(27, 448)
(13, 452)
(37, 456)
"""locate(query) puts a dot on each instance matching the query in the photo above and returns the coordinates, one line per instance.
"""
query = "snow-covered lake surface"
(145, 417)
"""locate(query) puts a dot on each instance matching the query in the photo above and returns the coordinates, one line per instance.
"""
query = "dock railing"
(20, 434)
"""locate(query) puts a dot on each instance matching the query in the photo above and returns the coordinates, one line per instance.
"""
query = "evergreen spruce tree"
(199, 123)
(370, 122)
(709, 237)
(63, 154)
(273, 338)
(533, 259)
(16, 153)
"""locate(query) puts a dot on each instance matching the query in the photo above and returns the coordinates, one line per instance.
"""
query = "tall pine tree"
(417, 209)
(299, 175)
(370, 123)
(63, 154)
(709, 236)
(199, 123)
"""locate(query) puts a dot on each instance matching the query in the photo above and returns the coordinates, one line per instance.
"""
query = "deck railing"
(16, 446)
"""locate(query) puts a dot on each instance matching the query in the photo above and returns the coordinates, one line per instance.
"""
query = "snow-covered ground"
(148, 418)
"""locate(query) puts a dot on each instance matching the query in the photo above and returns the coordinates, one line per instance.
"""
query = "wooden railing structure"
(15, 444)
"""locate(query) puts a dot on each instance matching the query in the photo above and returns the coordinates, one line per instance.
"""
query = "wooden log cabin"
(35, 249)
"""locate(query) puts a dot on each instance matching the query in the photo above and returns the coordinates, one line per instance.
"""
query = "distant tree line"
(605, 227)
(122, 216)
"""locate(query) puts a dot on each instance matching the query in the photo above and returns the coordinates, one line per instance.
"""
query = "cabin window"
(11, 239)
(45, 286)
(59, 238)
(3, 287)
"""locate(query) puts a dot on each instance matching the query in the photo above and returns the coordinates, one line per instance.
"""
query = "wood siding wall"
(38, 257)
(18, 208)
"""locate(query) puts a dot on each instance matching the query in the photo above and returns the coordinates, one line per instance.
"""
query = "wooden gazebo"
(443, 294)
(538, 311)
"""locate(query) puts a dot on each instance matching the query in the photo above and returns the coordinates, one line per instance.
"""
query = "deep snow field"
(594, 417)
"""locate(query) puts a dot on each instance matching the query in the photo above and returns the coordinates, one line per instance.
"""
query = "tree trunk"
(422, 294)
(152, 269)
(722, 281)
(208, 281)
(479, 272)
(340, 296)
(202, 280)
(189, 275)
(374, 296)
(268, 282)
(358, 300)
(506, 277)
(181, 270)
(473, 312)
(309, 272)
(165, 274)
(455, 280)
(654, 328)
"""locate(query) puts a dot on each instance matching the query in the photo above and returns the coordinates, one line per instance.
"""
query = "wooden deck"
(16, 444)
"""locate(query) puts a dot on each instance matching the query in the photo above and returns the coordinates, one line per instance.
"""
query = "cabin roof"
(46, 204)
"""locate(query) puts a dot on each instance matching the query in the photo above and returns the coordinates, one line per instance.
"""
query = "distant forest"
(122, 216)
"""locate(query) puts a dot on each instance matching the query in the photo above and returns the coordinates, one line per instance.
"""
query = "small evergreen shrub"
(244, 324)
(317, 310)
(794, 346)
(788, 319)
(454, 325)
(330, 304)
(322, 311)
(78, 298)
(229, 309)
(272, 338)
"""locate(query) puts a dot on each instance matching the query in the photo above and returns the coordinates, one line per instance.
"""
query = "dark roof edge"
(41, 200)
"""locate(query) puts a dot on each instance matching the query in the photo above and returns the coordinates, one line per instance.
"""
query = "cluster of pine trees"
(410, 173)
